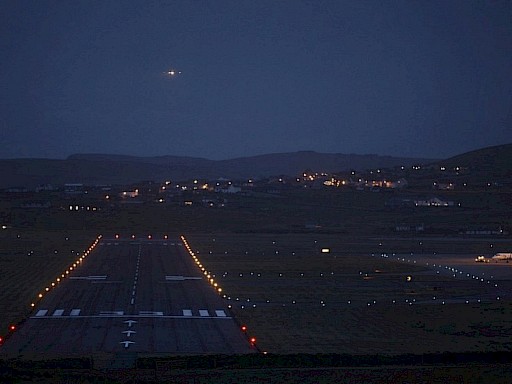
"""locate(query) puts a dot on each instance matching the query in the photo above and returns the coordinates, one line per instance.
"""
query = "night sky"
(403, 78)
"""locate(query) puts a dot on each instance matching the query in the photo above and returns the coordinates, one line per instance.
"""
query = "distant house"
(433, 202)
(36, 204)
(74, 188)
(400, 202)
(231, 189)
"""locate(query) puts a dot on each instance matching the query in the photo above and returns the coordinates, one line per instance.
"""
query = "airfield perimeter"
(372, 292)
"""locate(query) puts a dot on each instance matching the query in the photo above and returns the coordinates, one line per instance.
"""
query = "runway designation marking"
(74, 312)
(203, 313)
(58, 312)
(187, 312)
(41, 312)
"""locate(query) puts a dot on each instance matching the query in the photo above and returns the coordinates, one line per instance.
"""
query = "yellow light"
(47, 289)
(215, 285)
(40, 295)
(32, 305)
(219, 290)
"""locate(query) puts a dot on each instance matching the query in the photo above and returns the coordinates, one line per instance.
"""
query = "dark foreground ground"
(433, 368)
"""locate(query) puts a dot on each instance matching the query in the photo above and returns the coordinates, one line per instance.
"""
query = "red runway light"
(253, 340)
(12, 328)
(244, 328)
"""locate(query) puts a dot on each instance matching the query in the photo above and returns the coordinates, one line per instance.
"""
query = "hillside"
(96, 169)
(489, 162)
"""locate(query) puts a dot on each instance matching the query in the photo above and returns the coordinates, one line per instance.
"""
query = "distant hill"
(486, 162)
(94, 169)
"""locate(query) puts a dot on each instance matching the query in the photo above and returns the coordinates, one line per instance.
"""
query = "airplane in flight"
(127, 343)
(172, 72)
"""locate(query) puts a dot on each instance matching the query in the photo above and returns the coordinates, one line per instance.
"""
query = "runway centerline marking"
(136, 277)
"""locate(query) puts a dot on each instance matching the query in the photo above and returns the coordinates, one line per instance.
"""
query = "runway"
(142, 296)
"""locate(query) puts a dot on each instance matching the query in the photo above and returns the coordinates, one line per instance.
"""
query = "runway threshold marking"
(204, 313)
(103, 277)
(181, 278)
(111, 313)
(220, 313)
(187, 312)
(150, 313)
(41, 312)
(58, 312)
(74, 312)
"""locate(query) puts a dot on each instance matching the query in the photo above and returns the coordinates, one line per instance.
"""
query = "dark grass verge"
(471, 367)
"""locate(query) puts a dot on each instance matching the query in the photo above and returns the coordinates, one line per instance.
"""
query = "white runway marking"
(88, 277)
(130, 322)
(150, 313)
(186, 313)
(181, 278)
(111, 313)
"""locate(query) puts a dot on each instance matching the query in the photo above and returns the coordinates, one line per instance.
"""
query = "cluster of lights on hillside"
(56, 282)
(213, 283)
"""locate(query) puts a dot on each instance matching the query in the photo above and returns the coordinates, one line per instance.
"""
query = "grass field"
(29, 261)
(296, 299)
(269, 263)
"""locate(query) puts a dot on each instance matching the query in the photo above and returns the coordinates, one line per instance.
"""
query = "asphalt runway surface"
(144, 296)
